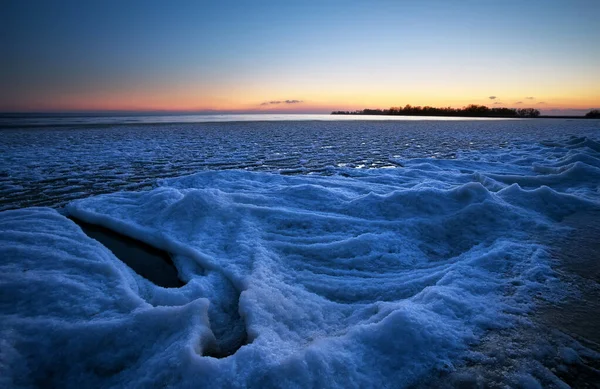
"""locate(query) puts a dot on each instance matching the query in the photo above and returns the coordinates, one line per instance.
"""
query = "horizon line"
(227, 112)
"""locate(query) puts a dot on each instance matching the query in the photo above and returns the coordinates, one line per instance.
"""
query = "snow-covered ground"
(352, 276)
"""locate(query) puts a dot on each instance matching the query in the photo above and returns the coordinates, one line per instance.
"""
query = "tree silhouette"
(594, 113)
(472, 110)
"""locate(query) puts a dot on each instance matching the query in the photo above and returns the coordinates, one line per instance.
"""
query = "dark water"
(151, 263)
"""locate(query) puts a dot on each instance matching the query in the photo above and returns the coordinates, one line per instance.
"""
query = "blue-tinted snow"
(354, 278)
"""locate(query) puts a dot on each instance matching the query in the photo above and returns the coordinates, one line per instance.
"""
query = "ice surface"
(50, 166)
(360, 278)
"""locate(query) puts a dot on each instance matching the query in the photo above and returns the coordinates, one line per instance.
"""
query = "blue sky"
(77, 55)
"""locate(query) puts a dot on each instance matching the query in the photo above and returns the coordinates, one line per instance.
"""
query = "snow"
(361, 278)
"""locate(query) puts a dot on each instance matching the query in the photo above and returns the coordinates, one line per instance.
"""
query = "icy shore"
(365, 278)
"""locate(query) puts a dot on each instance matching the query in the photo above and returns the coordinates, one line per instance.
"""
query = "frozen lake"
(49, 166)
(312, 253)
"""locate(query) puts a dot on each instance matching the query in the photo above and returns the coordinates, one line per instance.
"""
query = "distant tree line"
(594, 113)
(472, 110)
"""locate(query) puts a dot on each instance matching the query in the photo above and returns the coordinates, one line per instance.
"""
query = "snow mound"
(361, 279)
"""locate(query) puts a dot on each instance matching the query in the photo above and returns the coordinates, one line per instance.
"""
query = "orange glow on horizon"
(243, 100)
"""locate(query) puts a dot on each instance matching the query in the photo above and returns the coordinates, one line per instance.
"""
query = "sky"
(298, 56)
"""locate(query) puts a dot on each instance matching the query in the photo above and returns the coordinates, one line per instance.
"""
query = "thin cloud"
(498, 103)
(530, 98)
(275, 102)
(541, 103)
(518, 102)
(492, 97)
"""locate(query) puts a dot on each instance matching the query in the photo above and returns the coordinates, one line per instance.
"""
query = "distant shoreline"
(470, 111)
(472, 116)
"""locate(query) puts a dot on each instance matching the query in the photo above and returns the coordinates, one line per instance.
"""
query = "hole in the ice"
(151, 263)
(224, 351)
(226, 323)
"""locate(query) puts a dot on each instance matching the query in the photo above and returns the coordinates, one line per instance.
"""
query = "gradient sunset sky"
(288, 56)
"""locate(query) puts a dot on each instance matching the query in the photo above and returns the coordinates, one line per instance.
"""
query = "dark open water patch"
(149, 262)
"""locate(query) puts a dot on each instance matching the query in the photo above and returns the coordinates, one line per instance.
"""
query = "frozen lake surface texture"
(304, 254)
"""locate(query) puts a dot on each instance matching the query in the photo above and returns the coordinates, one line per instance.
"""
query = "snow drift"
(367, 278)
